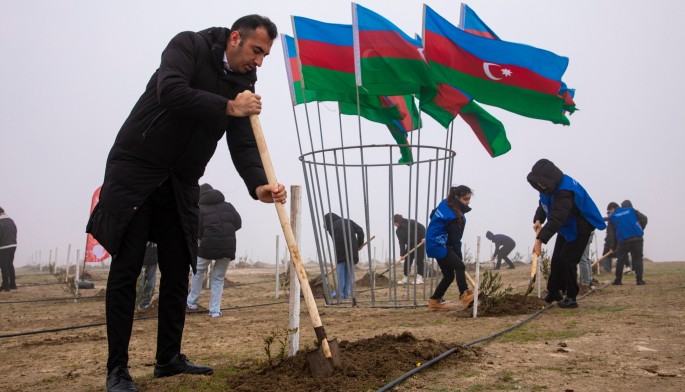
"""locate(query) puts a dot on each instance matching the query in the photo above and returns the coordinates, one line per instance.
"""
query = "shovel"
(533, 270)
(533, 273)
(324, 359)
(367, 241)
(412, 250)
(601, 258)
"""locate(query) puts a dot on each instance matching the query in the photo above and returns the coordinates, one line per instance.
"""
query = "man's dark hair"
(1, 210)
(249, 23)
(397, 218)
(612, 206)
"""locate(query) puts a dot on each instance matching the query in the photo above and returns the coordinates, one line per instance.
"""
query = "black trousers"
(502, 255)
(7, 267)
(563, 274)
(451, 265)
(419, 255)
(157, 219)
(635, 250)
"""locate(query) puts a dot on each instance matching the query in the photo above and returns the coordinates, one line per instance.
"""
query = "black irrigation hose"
(26, 301)
(451, 351)
(12, 335)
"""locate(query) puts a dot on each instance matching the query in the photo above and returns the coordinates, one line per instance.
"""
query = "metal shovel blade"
(321, 366)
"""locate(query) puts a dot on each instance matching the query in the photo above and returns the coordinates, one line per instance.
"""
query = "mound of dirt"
(381, 281)
(366, 365)
(511, 305)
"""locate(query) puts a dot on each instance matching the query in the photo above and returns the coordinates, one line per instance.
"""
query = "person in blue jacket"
(443, 242)
(628, 224)
(570, 213)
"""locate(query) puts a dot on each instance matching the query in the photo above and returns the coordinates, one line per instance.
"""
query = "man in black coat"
(203, 88)
(409, 233)
(348, 237)
(8, 245)
(503, 246)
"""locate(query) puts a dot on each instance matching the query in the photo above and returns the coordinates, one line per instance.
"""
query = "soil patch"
(381, 281)
(511, 305)
(366, 364)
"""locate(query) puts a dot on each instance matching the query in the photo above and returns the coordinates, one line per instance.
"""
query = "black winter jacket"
(409, 233)
(337, 228)
(219, 221)
(547, 174)
(171, 134)
(8, 231)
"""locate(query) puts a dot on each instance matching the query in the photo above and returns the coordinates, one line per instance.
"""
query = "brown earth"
(621, 338)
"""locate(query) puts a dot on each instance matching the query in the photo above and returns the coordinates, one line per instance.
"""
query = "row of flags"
(375, 70)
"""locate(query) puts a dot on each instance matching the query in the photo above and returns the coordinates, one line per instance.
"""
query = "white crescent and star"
(488, 72)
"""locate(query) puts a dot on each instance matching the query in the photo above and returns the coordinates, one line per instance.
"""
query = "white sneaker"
(419, 279)
(215, 315)
(403, 281)
(192, 306)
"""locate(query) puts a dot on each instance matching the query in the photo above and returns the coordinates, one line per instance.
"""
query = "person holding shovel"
(409, 233)
(203, 89)
(570, 213)
(443, 242)
(348, 237)
(610, 238)
(629, 225)
(503, 246)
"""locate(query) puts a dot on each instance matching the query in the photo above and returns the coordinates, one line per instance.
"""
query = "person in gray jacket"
(8, 245)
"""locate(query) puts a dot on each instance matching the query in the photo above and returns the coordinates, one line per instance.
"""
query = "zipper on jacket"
(152, 123)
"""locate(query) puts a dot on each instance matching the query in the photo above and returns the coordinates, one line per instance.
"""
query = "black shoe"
(4, 288)
(617, 282)
(180, 364)
(511, 267)
(553, 296)
(641, 282)
(567, 303)
(13, 286)
(118, 380)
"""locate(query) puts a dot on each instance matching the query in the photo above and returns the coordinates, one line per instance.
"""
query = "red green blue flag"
(298, 94)
(515, 77)
(472, 24)
(388, 61)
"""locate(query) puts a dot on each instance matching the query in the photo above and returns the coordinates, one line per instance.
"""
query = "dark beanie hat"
(612, 206)
(205, 187)
(488, 235)
(397, 218)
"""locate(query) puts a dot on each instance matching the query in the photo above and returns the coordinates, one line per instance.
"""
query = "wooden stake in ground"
(330, 359)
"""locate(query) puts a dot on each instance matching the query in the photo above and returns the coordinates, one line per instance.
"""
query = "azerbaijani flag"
(515, 77)
(451, 102)
(298, 94)
(472, 24)
(387, 61)
(446, 105)
(489, 130)
(326, 55)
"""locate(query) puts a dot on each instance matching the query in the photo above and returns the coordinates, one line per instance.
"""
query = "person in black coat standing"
(219, 221)
(203, 89)
(503, 246)
(8, 245)
(409, 233)
(348, 237)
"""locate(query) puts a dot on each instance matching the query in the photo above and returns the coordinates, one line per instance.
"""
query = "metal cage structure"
(348, 174)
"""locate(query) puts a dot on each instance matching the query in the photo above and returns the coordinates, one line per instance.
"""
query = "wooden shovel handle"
(604, 256)
(295, 257)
